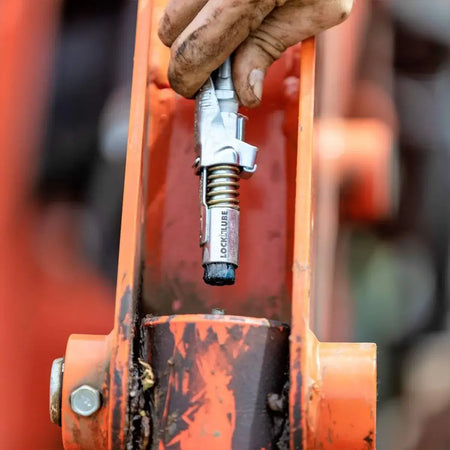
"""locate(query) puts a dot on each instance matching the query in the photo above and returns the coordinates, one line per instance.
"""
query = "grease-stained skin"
(203, 33)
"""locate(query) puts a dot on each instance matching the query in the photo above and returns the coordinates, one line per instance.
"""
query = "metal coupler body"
(222, 159)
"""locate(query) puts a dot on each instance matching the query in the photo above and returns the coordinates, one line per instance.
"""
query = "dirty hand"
(203, 33)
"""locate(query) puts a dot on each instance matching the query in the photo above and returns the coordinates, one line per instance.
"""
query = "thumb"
(251, 60)
(283, 27)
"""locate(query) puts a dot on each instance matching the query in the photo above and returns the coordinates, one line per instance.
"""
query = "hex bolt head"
(85, 400)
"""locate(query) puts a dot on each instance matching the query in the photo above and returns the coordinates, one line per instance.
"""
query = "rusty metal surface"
(125, 332)
(56, 376)
(213, 375)
(206, 378)
(342, 396)
(302, 252)
(117, 425)
(332, 400)
(86, 363)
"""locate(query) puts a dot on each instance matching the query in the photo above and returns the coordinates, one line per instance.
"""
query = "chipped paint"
(209, 376)
(213, 375)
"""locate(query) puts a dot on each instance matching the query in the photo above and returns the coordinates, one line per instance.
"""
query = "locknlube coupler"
(222, 159)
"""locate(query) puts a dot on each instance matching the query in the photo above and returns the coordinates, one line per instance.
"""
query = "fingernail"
(255, 79)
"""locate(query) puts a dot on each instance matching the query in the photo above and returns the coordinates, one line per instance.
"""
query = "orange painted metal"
(342, 397)
(86, 361)
(302, 253)
(332, 400)
(355, 182)
(148, 110)
(115, 415)
(357, 153)
(109, 428)
(355, 159)
(213, 375)
(131, 236)
(159, 259)
(172, 273)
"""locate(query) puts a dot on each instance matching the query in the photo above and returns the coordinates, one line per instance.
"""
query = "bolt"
(85, 400)
(56, 375)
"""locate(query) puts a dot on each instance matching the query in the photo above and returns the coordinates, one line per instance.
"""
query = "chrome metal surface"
(223, 243)
(56, 375)
(219, 126)
(222, 159)
(85, 400)
(222, 186)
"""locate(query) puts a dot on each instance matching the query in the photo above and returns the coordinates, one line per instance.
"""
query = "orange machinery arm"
(224, 381)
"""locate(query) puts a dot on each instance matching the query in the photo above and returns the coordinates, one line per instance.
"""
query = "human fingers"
(216, 31)
(177, 16)
(282, 28)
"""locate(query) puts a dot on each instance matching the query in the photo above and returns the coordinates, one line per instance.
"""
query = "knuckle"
(269, 46)
(251, 102)
(164, 33)
(246, 98)
(181, 57)
(343, 8)
(179, 80)
(176, 80)
(189, 64)
(331, 13)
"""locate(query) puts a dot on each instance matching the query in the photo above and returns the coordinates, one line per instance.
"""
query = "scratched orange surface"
(159, 241)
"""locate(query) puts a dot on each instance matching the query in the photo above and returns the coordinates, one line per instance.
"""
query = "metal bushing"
(56, 375)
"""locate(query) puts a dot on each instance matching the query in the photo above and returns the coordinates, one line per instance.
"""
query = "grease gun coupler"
(222, 159)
